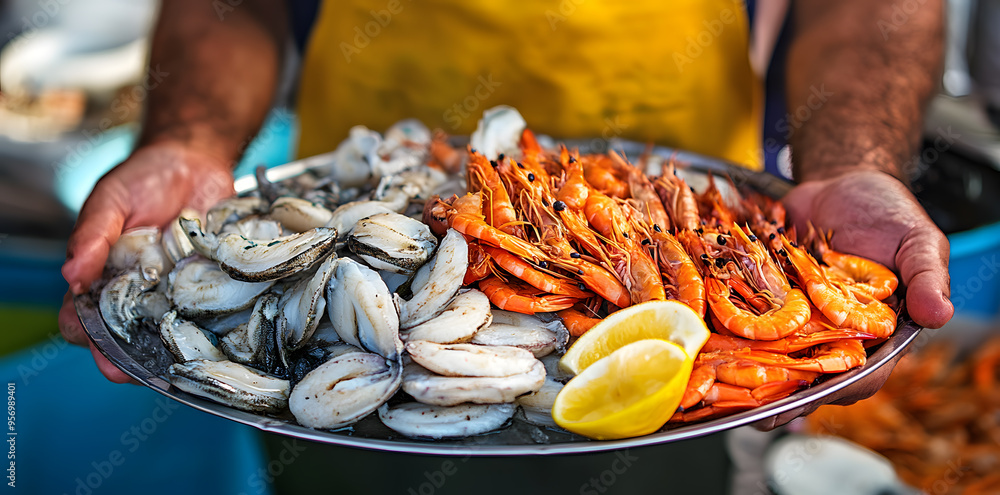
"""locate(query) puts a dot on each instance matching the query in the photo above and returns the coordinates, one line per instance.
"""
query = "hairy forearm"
(218, 74)
(864, 70)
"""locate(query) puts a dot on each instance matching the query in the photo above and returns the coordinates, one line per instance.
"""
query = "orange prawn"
(677, 198)
(576, 322)
(466, 216)
(792, 343)
(859, 274)
(500, 213)
(534, 277)
(844, 308)
(789, 308)
(684, 283)
(522, 298)
(831, 357)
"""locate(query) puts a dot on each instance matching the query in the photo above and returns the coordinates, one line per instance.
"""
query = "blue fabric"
(79, 434)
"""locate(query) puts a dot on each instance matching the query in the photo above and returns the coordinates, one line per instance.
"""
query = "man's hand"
(874, 215)
(149, 188)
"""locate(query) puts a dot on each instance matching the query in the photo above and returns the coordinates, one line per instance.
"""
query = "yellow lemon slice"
(666, 320)
(629, 393)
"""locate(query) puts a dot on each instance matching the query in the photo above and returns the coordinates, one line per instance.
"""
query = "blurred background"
(72, 86)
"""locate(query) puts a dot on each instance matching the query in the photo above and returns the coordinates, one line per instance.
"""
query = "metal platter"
(146, 359)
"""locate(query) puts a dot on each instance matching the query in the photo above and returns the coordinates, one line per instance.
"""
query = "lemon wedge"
(631, 392)
(666, 320)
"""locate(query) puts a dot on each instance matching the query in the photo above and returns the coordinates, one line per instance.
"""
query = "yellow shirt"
(674, 73)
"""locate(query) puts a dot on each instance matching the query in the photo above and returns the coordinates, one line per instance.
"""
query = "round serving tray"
(146, 359)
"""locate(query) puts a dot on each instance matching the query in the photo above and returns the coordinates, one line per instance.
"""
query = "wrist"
(876, 161)
(202, 142)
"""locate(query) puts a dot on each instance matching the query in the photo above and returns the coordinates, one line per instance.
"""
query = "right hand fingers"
(97, 229)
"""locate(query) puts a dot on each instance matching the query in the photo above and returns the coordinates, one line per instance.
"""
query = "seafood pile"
(583, 235)
(326, 296)
(436, 288)
(937, 419)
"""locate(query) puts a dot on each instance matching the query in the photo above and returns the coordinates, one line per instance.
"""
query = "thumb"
(922, 260)
(97, 229)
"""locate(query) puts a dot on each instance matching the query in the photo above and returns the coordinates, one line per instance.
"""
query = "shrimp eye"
(781, 230)
(657, 228)
(559, 205)
(721, 240)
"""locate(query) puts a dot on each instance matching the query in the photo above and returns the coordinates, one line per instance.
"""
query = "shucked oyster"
(439, 390)
(260, 260)
(344, 390)
(394, 242)
(361, 310)
(299, 215)
(437, 282)
(231, 384)
(186, 341)
(199, 289)
(118, 303)
(417, 420)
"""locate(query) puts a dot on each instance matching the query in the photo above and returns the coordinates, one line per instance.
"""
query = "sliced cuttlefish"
(232, 384)
(361, 310)
(524, 331)
(417, 420)
(344, 390)
(200, 289)
(394, 242)
(470, 359)
(439, 390)
(459, 322)
(441, 277)
(299, 215)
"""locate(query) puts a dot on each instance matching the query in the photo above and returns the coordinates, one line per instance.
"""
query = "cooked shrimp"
(534, 277)
(522, 298)
(844, 308)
